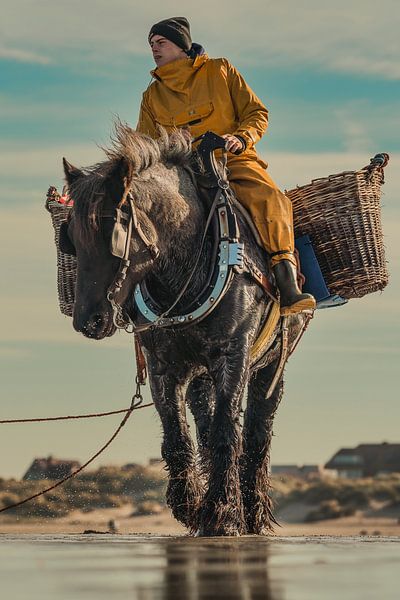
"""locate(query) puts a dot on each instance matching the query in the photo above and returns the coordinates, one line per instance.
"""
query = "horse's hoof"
(218, 532)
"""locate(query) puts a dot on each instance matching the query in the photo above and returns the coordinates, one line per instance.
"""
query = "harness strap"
(283, 357)
(261, 279)
(189, 279)
(141, 368)
(152, 248)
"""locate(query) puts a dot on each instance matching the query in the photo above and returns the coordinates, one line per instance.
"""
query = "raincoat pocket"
(191, 116)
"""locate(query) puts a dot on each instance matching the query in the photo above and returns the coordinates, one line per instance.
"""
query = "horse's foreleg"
(222, 509)
(184, 488)
(200, 397)
(257, 434)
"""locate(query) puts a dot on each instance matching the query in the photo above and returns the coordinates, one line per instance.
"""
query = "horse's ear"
(71, 173)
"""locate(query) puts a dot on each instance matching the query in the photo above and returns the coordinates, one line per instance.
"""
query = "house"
(51, 468)
(366, 460)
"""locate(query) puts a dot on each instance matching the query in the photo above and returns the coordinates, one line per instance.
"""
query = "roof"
(372, 458)
(50, 468)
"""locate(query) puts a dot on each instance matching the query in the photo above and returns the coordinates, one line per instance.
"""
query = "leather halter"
(122, 233)
(120, 247)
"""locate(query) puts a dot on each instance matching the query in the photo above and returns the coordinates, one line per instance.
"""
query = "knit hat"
(176, 30)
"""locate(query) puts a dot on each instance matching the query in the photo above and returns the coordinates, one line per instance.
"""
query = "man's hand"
(233, 144)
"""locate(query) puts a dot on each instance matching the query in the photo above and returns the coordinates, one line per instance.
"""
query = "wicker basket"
(341, 214)
(66, 264)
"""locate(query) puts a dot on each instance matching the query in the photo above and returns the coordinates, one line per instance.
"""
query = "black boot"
(291, 299)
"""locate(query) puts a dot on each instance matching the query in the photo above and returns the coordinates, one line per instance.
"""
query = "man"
(202, 94)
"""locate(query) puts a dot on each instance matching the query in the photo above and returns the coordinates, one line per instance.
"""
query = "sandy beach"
(165, 524)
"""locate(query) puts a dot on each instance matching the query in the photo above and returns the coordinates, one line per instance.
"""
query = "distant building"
(155, 462)
(366, 460)
(51, 468)
(130, 466)
(304, 471)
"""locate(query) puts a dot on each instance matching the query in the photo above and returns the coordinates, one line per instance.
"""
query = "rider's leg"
(272, 213)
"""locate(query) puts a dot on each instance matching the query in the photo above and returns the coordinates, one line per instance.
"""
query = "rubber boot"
(291, 298)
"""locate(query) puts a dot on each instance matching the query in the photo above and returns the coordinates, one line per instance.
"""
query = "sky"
(329, 74)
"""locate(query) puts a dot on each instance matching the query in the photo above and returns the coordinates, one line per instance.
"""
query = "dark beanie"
(176, 30)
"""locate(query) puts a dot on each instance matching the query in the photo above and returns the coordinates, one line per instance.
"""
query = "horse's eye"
(65, 244)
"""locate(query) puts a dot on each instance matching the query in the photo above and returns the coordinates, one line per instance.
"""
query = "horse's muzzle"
(97, 326)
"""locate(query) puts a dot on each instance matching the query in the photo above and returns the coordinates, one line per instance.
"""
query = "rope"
(88, 416)
(302, 331)
(124, 420)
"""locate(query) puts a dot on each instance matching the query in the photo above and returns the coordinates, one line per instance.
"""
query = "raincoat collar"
(175, 75)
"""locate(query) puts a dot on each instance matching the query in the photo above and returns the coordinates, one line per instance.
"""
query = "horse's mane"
(143, 152)
(140, 153)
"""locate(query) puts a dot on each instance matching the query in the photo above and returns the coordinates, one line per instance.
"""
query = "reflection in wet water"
(62, 567)
(217, 569)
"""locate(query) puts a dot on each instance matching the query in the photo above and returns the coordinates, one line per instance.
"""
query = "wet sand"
(165, 524)
(151, 557)
(93, 567)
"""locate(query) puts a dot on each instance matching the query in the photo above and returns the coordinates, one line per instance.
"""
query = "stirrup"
(302, 305)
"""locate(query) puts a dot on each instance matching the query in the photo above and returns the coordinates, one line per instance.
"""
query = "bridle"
(125, 225)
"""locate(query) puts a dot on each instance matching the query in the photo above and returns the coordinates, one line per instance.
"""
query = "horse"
(219, 483)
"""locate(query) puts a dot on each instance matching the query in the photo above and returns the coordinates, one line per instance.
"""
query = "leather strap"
(261, 279)
(152, 248)
(141, 368)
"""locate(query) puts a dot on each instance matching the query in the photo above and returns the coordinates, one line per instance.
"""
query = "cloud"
(41, 109)
(381, 67)
(24, 56)
(44, 161)
(332, 36)
(291, 169)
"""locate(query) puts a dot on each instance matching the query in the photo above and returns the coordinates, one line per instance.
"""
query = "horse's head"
(104, 235)
(127, 208)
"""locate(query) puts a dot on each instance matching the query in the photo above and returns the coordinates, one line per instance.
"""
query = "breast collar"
(228, 257)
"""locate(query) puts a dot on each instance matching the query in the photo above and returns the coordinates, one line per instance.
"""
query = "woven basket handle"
(52, 196)
(378, 161)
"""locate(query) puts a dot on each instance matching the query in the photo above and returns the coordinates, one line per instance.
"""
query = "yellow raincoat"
(205, 94)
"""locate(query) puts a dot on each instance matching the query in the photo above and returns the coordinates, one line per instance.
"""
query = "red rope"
(124, 420)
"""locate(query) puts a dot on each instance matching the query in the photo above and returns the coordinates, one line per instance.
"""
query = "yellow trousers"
(270, 209)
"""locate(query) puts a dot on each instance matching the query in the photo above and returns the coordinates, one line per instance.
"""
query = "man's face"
(164, 51)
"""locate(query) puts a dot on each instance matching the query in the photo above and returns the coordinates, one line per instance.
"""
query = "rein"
(136, 404)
